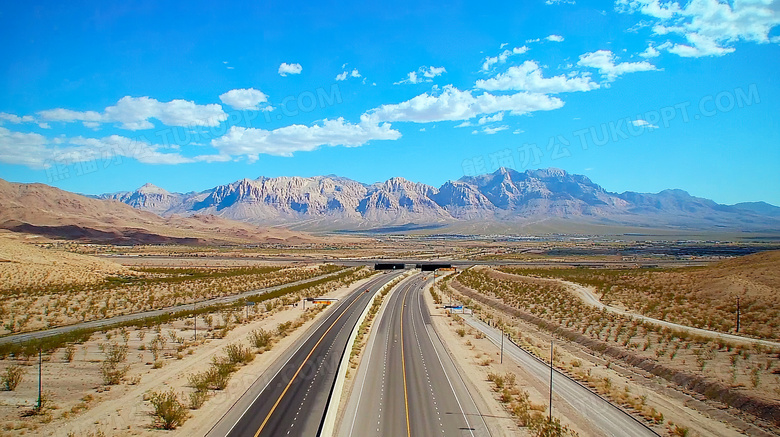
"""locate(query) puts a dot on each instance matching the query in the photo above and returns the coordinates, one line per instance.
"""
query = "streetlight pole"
(551, 378)
(737, 314)
(502, 344)
(40, 379)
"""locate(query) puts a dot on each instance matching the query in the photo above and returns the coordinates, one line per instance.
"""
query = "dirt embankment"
(765, 409)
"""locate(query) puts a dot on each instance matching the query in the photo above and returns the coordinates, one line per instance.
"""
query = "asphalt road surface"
(602, 415)
(407, 384)
(294, 400)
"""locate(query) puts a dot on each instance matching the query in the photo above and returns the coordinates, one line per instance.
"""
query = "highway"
(112, 321)
(292, 397)
(602, 415)
(407, 383)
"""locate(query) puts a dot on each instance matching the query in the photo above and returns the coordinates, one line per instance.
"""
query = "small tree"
(169, 412)
(111, 368)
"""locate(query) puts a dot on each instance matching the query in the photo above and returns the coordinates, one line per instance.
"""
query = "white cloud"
(465, 124)
(503, 44)
(250, 142)
(133, 113)
(560, 2)
(642, 123)
(244, 98)
(650, 52)
(410, 78)
(423, 74)
(502, 57)
(28, 149)
(432, 71)
(708, 26)
(15, 119)
(344, 74)
(604, 61)
(98, 148)
(37, 152)
(491, 119)
(285, 69)
(528, 77)
(68, 116)
(493, 130)
(554, 38)
(453, 104)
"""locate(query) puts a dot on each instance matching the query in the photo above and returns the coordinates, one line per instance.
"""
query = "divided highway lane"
(294, 400)
(407, 384)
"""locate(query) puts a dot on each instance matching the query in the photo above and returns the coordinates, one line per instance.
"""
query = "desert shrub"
(259, 338)
(111, 369)
(550, 428)
(168, 411)
(197, 399)
(680, 431)
(70, 350)
(237, 353)
(12, 376)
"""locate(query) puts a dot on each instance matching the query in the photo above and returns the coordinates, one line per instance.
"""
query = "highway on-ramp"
(407, 383)
(293, 398)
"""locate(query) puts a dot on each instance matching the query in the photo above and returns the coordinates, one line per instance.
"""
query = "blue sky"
(638, 95)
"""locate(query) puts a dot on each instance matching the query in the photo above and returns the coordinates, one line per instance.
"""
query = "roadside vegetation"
(49, 305)
(528, 414)
(123, 355)
(701, 297)
(724, 371)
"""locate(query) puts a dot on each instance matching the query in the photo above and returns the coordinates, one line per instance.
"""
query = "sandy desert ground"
(158, 359)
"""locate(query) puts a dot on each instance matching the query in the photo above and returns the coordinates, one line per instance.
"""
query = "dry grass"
(134, 357)
(699, 297)
(48, 303)
(747, 369)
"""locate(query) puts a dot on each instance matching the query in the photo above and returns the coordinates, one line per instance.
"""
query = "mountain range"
(506, 199)
(44, 210)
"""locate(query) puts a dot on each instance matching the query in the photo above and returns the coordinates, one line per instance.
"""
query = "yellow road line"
(276, 404)
(403, 365)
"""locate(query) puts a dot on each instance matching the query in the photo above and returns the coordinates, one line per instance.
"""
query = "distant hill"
(505, 199)
(761, 208)
(44, 210)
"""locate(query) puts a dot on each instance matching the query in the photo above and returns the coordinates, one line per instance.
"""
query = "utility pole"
(502, 344)
(40, 383)
(551, 377)
(737, 314)
(195, 311)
